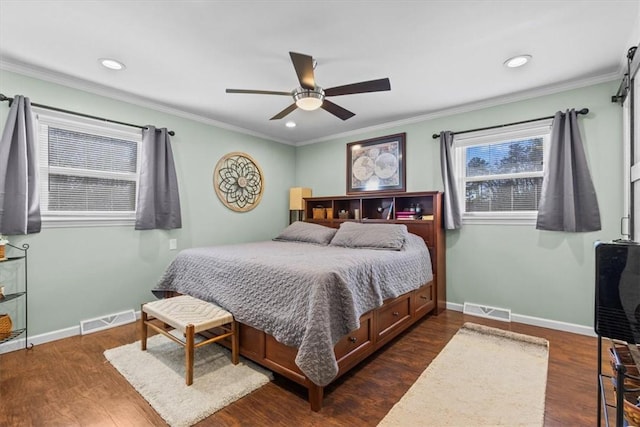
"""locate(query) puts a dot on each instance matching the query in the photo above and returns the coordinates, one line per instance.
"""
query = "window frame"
(631, 168)
(537, 129)
(54, 219)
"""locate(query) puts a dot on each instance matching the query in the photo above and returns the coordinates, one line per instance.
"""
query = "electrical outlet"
(173, 244)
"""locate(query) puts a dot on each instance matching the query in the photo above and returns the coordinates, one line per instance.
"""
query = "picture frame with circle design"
(376, 165)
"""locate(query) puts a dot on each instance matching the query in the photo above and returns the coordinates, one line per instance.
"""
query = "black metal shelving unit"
(17, 294)
(619, 379)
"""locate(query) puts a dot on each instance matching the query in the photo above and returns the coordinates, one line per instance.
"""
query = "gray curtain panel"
(158, 198)
(568, 199)
(452, 213)
(19, 196)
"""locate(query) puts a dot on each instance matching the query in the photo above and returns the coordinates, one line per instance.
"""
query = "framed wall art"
(238, 181)
(376, 165)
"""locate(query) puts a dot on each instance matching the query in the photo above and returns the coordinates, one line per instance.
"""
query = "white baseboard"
(520, 318)
(538, 321)
(39, 339)
(19, 344)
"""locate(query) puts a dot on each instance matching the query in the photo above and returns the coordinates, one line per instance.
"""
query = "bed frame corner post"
(316, 393)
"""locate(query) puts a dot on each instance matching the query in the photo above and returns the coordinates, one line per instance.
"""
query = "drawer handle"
(423, 297)
(395, 313)
(353, 339)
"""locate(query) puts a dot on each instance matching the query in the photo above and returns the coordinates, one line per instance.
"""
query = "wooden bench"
(190, 316)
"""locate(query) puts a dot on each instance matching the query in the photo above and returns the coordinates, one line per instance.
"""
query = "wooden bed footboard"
(377, 328)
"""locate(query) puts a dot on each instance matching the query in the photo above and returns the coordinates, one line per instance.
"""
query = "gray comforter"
(306, 296)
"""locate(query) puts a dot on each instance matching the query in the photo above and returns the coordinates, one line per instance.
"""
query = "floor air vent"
(503, 314)
(106, 322)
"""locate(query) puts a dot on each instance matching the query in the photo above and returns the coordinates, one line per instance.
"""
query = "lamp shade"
(296, 198)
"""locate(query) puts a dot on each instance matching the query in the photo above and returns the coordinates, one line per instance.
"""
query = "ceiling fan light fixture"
(517, 61)
(309, 96)
(309, 99)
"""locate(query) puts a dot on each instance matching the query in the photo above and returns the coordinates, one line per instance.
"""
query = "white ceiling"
(439, 55)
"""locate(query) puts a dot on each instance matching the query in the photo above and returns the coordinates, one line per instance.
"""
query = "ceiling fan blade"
(304, 69)
(284, 112)
(258, 92)
(337, 110)
(362, 87)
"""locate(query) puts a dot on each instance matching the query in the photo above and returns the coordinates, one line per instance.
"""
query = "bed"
(316, 300)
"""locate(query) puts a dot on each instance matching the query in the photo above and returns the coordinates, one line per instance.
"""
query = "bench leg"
(235, 342)
(143, 328)
(189, 338)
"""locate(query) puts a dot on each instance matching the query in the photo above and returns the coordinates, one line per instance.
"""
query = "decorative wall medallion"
(238, 181)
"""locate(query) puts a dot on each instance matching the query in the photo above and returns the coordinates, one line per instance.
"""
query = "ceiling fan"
(310, 97)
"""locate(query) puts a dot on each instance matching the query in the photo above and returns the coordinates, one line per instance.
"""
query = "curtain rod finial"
(584, 111)
(436, 135)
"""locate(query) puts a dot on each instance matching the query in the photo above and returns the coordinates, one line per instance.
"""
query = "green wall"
(543, 274)
(86, 272)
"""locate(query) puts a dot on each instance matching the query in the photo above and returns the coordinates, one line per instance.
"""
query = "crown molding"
(474, 106)
(98, 89)
(119, 95)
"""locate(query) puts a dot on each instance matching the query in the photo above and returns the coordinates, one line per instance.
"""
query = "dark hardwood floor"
(69, 383)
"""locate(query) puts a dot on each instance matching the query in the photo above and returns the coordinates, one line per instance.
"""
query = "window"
(88, 170)
(500, 172)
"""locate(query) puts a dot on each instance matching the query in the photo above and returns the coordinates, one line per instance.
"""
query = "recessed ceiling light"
(517, 61)
(290, 124)
(111, 64)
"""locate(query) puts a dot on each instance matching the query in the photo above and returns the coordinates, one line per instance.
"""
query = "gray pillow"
(307, 232)
(370, 236)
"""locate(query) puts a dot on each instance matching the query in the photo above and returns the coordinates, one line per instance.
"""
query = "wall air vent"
(503, 314)
(105, 322)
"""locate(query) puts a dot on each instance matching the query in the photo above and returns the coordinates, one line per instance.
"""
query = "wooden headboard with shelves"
(421, 212)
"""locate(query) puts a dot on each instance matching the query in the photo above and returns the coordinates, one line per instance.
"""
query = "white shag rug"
(483, 377)
(158, 374)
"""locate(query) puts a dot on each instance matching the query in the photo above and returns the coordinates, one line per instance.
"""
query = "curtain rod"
(60, 110)
(633, 65)
(584, 111)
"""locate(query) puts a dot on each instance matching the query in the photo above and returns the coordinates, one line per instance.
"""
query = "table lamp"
(296, 203)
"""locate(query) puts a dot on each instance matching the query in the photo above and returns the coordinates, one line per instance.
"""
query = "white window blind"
(88, 169)
(500, 173)
(504, 177)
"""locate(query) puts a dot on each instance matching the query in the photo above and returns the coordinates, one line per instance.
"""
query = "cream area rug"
(158, 375)
(483, 377)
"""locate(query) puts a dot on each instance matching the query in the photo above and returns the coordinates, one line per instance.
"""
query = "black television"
(617, 299)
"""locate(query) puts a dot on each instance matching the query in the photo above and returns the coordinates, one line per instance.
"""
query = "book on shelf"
(406, 215)
(390, 212)
(412, 216)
